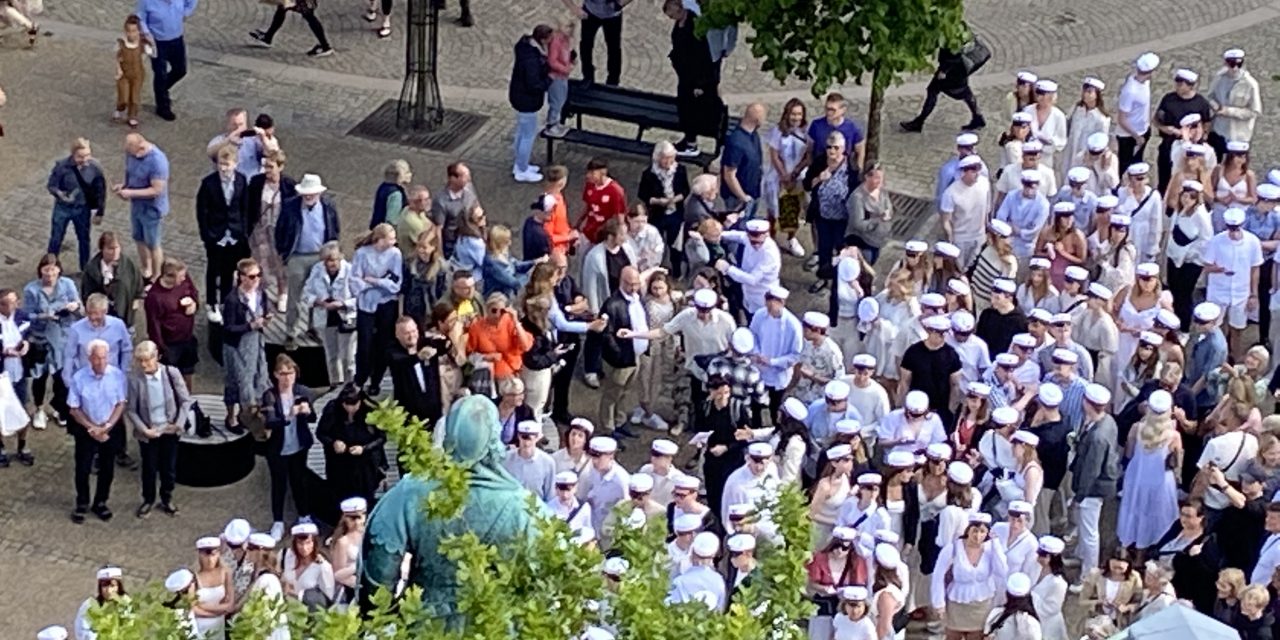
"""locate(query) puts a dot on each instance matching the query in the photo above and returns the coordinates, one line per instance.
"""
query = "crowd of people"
(1059, 397)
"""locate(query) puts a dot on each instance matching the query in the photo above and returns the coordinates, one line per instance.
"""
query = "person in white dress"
(1149, 504)
(110, 590)
(344, 547)
(1111, 249)
(215, 591)
(975, 564)
(267, 581)
(888, 593)
(1102, 163)
(853, 621)
(1145, 208)
(307, 575)
(1050, 590)
(1139, 306)
(1088, 116)
(830, 493)
(1048, 123)
(1016, 618)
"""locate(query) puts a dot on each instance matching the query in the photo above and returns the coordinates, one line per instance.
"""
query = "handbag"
(974, 55)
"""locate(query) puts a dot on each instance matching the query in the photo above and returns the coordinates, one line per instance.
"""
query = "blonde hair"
(145, 350)
(1255, 595)
(1154, 429)
(396, 171)
(499, 238)
(227, 152)
(380, 231)
(82, 143)
(1234, 581)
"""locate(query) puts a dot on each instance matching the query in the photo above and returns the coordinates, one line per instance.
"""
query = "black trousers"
(86, 449)
(159, 458)
(1182, 286)
(1219, 145)
(591, 353)
(219, 276)
(1264, 304)
(1164, 162)
(309, 17)
(288, 472)
(694, 109)
(1130, 150)
(613, 47)
(697, 397)
(167, 68)
(963, 94)
(561, 381)
(375, 335)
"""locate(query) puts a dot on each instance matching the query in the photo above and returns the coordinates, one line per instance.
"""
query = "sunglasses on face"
(251, 276)
(681, 494)
(564, 487)
(208, 552)
(594, 454)
(637, 495)
(913, 254)
(843, 546)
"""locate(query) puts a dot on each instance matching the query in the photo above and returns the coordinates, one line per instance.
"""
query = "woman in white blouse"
(974, 562)
(1088, 116)
(791, 441)
(1050, 590)
(307, 575)
(1145, 207)
(1048, 123)
(854, 621)
(573, 455)
(1114, 256)
(345, 546)
(1189, 232)
(1016, 619)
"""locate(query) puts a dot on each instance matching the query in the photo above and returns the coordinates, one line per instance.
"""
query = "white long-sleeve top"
(791, 459)
(317, 575)
(1268, 559)
(1240, 103)
(82, 628)
(758, 270)
(738, 487)
(1081, 124)
(1199, 227)
(952, 519)
(1020, 553)
(1147, 215)
(1052, 134)
(1019, 626)
(1047, 597)
(969, 582)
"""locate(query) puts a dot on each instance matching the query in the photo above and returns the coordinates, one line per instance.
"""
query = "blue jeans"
(167, 68)
(557, 93)
(78, 217)
(526, 132)
(748, 213)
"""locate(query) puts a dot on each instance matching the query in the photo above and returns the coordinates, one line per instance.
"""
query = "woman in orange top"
(557, 225)
(499, 338)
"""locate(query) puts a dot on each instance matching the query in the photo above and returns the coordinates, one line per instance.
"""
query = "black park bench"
(643, 109)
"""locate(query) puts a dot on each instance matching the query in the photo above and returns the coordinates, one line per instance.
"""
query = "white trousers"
(537, 390)
(340, 355)
(1089, 545)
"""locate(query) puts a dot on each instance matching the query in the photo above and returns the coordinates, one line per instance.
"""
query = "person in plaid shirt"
(737, 366)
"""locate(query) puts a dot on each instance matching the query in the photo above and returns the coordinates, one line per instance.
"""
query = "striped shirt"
(1072, 407)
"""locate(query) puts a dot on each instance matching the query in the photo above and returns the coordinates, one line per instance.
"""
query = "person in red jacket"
(560, 60)
(605, 199)
(557, 225)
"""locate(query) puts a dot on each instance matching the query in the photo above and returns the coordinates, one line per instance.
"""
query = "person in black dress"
(354, 457)
(725, 418)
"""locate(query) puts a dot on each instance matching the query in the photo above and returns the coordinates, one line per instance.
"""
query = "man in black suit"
(221, 206)
(624, 314)
(415, 373)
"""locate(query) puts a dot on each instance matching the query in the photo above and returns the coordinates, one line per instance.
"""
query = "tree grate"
(909, 215)
(381, 126)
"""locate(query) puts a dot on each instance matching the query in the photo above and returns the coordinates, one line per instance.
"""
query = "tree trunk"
(874, 113)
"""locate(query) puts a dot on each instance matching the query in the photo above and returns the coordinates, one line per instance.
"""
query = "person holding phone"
(287, 415)
(1232, 259)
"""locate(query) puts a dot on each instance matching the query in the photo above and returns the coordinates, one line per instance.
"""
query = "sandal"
(384, 32)
(133, 123)
(32, 34)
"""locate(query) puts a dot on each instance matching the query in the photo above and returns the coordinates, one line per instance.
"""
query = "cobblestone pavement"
(63, 89)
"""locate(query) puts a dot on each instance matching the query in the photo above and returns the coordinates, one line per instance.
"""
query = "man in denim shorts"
(146, 187)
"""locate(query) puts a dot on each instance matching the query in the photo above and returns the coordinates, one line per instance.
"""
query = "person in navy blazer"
(222, 217)
(288, 411)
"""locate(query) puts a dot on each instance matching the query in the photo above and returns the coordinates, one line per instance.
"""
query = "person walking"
(952, 79)
(79, 190)
(131, 50)
(526, 93)
(163, 22)
(306, 9)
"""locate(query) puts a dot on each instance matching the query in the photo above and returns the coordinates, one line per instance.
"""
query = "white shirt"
(1222, 452)
(579, 520)
(639, 322)
(969, 583)
(758, 270)
(1198, 227)
(1237, 256)
(1010, 181)
(1268, 559)
(737, 488)
(1020, 554)
(975, 358)
(909, 437)
(317, 575)
(1053, 133)
(1135, 105)
(969, 207)
(846, 629)
(872, 403)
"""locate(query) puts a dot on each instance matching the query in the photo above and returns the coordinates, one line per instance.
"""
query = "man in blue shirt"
(146, 188)
(1264, 221)
(819, 129)
(96, 398)
(742, 163)
(162, 21)
(1208, 352)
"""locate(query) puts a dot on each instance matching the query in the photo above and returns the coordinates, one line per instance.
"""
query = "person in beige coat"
(157, 408)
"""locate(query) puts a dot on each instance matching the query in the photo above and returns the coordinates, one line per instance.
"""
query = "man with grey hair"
(96, 400)
(157, 407)
(97, 325)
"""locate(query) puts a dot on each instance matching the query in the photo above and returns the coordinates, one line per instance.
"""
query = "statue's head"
(473, 432)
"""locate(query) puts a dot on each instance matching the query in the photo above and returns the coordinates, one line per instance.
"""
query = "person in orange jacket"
(499, 338)
(557, 225)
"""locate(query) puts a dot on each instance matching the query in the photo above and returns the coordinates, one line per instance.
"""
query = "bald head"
(135, 144)
(755, 113)
(629, 281)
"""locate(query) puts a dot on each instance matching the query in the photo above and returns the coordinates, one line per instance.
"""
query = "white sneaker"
(277, 531)
(592, 380)
(39, 421)
(556, 131)
(794, 246)
(282, 303)
(215, 315)
(655, 422)
(1076, 588)
(636, 416)
(528, 176)
(533, 168)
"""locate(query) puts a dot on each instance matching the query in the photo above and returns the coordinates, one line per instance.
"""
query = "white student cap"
(602, 444)
(353, 505)
(870, 480)
(1192, 185)
(1147, 62)
(916, 246)
(1233, 54)
(1233, 216)
(967, 140)
(584, 424)
(110, 573)
(795, 408)
(665, 447)
(978, 389)
(530, 427)
(1052, 544)
(959, 287)
(760, 450)
(1064, 208)
(1139, 169)
(962, 321)
(705, 299)
(1004, 416)
(1237, 146)
(845, 534)
(959, 472)
(899, 459)
(1097, 141)
(742, 340)
(1030, 176)
(887, 556)
(1025, 340)
(1046, 86)
(864, 361)
(1000, 228)
(178, 581)
(938, 451)
(1004, 285)
(777, 292)
(1099, 290)
(1026, 77)
(970, 161)
(1097, 394)
(1186, 75)
(1197, 150)
(706, 545)
(1147, 270)
(868, 309)
(566, 477)
(1018, 585)
(1121, 220)
(1039, 262)
(1090, 81)
(304, 529)
(840, 452)
(262, 541)
(640, 483)
(1032, 146)
(1268, 191)
(1152, 338)
(848, 427)
(836, 390)
(1021, 506)
(687, 522)
(1027, 438)
(1077, 273)
(615, 566)
(1160, 401)
(1108, 201)
(917, 401)
(757, 226)
(936, 323)
(816, 319)
(1062, 318)
(1078, 175)
(57, 632)
(237, 532)
(208, 542)
(1021, 117)
(1065, 356)
(979, 517)
(933, 300)
(1049, 394)
(1006, 360)
(944, 248)
(852, 594)
(740, 542)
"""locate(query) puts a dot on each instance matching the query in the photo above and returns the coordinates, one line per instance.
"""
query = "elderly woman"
(664, 187)
(390, 198)
(498, 339)
(245, 315)
(830, 185)
(331, 295)
(53, 302)
(1157, 591)
(113, 274)
(701, 204)
(1191, 551)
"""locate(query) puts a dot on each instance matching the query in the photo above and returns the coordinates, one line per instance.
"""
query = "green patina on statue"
(495, 510)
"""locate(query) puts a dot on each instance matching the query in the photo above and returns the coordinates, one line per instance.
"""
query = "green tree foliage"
(548, 589)
(826, 42)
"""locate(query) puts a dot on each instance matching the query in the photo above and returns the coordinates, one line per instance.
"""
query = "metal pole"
(420, 104)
